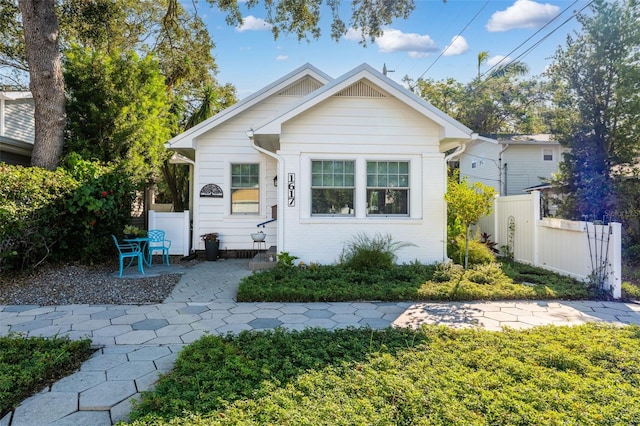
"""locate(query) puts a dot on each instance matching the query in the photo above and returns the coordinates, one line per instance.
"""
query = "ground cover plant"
(27, 365)
(588, 374)
(415, 282)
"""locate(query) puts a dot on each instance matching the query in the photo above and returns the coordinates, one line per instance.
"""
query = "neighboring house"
(336, 157)
(511, 164)
(17, 127)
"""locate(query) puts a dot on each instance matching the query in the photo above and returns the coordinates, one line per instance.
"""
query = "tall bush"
(66, 214)
(98, 207)
(31, 207)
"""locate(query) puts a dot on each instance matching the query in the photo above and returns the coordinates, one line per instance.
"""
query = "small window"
(388, 187)
(245, 188)
(474, 164)
(332, 187)
(547, 154)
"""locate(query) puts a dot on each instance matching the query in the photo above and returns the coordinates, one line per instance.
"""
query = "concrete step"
(264, 259)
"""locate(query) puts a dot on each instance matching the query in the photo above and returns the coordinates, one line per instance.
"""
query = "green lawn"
(413, 282)
(582, 375)
(27, 365)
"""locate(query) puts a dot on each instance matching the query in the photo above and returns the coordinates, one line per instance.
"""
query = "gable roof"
(451, 130)
(186, 139)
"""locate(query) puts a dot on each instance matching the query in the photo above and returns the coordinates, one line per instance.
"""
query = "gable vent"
(362, 90)
(301, 88)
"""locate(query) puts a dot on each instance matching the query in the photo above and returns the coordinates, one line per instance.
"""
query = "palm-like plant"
(482, 58)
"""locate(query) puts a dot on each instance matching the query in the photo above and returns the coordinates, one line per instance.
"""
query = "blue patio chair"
(130, 251)
(157, 242)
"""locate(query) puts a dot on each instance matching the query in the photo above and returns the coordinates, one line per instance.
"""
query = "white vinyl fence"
(583, 250)
(176, 228)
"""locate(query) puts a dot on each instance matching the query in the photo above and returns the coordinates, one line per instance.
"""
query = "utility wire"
(530, 37)
(458, 35)
(536, 44)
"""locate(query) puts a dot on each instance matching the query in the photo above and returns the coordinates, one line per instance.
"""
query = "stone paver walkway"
(140, 342)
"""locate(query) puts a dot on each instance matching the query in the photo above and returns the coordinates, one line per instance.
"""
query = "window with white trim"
(547, 154)
(388, 187)
(245, 188)
(332, 187)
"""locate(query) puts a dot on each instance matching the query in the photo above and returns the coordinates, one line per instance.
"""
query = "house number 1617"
(291, 187)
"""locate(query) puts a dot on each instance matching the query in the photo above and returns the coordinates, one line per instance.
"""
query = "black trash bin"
(211, 248)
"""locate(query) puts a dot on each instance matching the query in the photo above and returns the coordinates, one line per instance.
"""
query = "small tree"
(467, 204)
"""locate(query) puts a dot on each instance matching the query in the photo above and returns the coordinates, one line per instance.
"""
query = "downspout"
(500, 172)
(280, 204)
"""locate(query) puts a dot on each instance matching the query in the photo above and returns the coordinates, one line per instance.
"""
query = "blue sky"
(439, 40)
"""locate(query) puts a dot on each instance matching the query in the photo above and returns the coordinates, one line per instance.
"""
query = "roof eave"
(187, 138)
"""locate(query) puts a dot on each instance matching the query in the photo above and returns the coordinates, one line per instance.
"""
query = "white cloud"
(416, 45)
(353, 35)
(251, 23)
(522, 14)
(397, 41)
(498, 59)
(458, 46)
(282, 58)
(418, 55)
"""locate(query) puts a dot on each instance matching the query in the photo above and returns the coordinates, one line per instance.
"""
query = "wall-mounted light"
(275, 180)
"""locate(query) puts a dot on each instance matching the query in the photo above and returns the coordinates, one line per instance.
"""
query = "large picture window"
(387, 187)
(332, 187)
(245, 188)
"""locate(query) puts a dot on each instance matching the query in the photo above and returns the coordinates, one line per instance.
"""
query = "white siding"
(525, 166)
(216, 150)
(487, 170)
(362, 129)
(19, 120)
(522, 165)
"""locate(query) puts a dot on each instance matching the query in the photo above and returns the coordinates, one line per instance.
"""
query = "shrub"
(99, 207)
(31, 209)
(630, 291)
(366, 253)
(446, 272)
(479, 253)
(285, 260)
(67, 214)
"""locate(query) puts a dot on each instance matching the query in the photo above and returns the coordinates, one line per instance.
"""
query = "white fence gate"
(176, 228)
(583, 250)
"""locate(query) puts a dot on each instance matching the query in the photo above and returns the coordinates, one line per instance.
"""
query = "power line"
(536, 44)
(450, 44)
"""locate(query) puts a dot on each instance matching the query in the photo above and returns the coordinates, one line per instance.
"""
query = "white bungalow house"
(17, 128)
(327, 159)
(511, 164)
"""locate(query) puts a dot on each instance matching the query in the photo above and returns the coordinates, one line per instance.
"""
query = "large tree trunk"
(40, 25)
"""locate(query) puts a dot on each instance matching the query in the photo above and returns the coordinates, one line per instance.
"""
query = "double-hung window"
(547, 154)
(332, 187)
(245, 188)
(388, 187)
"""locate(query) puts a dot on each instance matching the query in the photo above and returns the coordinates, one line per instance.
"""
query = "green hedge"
(66, 214)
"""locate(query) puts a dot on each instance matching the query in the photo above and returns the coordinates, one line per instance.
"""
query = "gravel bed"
(69, 284)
